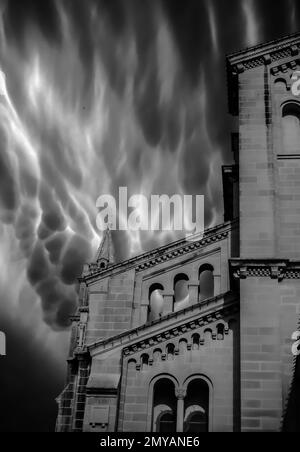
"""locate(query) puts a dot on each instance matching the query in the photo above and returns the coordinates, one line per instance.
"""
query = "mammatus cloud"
(85, 109)
(96, 95)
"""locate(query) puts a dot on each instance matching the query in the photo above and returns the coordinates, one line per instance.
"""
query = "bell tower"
(264, 96)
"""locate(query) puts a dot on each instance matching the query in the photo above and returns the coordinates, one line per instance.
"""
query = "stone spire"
(105, 252)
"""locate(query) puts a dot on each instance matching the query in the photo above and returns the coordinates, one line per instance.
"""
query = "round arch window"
(291, 128)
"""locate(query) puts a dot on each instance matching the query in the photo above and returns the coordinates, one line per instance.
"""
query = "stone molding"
(186, 249)
(263, 54)
(270, 268)
(284, 68)
(165, 253)
(148, 335)
(283, 71)
(179, 330)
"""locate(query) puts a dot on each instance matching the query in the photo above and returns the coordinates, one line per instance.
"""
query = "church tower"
(267, 105)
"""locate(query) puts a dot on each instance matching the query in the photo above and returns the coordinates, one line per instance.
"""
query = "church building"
(196, 336)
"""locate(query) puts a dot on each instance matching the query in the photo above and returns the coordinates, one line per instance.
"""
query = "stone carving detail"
(273, 271)
(280, 53)
(190, 341)
(177, 335)
(185, 249)
(180, 393)
(277, 273)
(283, 72)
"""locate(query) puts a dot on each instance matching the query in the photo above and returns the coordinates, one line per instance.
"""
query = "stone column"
(180, 394)
(217, 284)
(168, 302)
(193, 287)
(144, 308)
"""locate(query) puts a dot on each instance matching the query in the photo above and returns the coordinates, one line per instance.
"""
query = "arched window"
(164, 406)
(196, 407)
(170, 351)
(220, 331)
(196, 341)
(131, 366)
(156, 302)
(206, 280)
(291, 128)
(144, 361)
(181, 291)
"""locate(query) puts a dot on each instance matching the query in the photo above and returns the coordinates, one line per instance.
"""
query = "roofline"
(132, 262)
(263, 48)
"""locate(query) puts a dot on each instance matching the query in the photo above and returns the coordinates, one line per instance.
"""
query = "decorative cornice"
(285, 67)
(179, 330)
(270, 268)
(261, 55)
(264, 54)
(181, 251)
(177, 323)
(283, 71)
(164, 253)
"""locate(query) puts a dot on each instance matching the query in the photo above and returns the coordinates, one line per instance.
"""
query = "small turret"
(105, 253)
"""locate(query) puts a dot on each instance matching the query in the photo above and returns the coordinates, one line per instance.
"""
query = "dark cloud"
(78, 252)
(30, 382)
(58, 302)
(55, 245)
(38, 268)
(18, 15)
(191, 32)
(25, 228)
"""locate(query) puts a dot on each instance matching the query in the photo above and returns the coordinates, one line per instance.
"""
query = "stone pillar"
(144, 308)
(217, 284)
(193, 286)
(168, 302)
(180, 394)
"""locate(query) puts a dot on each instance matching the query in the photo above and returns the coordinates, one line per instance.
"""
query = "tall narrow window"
(196, 407)
(195, 341)
(144, 361)
(181, 291)
(291, 128)
(164, 406)
(206, 279)
(156, 302)
(170, 351)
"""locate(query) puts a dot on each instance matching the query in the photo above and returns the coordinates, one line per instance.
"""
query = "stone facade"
(196, 336)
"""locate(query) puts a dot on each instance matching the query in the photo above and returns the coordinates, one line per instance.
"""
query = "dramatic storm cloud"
(95, 95)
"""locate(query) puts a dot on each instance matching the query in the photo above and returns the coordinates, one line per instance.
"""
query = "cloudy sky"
(95, 95)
